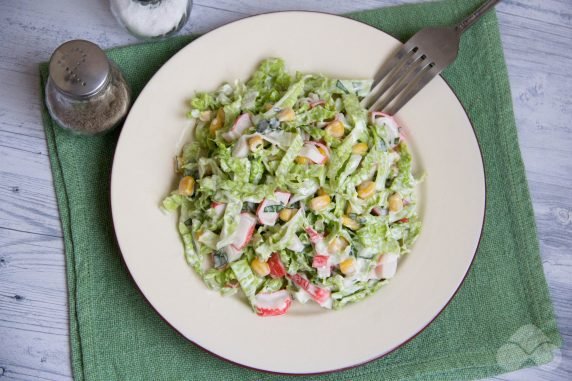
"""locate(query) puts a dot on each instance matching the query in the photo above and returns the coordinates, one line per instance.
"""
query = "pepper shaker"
(86, 92)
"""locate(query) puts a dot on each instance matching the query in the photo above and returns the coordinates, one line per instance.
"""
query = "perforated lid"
(79, 68)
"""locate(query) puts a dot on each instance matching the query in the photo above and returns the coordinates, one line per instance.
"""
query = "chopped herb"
(262, 126)
(248, 206)
(341, 86)
(189, 222)
(219, 258)
(295, 205)
(273, 208)
(265, 126)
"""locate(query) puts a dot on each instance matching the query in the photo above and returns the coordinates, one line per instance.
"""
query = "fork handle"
(470, 20)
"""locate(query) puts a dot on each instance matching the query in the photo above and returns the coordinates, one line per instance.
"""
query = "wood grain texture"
(537, 40)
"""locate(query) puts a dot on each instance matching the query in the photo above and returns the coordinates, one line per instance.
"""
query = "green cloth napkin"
(501, 319)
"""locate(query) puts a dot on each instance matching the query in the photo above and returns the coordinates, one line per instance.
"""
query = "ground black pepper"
(86, 93)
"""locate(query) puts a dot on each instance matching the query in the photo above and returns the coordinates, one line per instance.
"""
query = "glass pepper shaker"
(148, 19)
(86, 92)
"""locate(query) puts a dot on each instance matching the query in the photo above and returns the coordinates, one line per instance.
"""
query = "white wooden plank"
(34, 342)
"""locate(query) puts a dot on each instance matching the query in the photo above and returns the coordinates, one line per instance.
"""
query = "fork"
(417, 62)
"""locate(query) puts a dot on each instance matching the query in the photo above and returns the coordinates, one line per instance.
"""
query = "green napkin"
(501, 319)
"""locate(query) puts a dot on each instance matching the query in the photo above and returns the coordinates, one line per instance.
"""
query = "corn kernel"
(335, 129)
(349, 209)
(337, 245)
(302, 160)
(366, 189)
(321, 192)
(187, 186)
(217, 122)
(323, 152)
(359, 149)
(255, 143)
(286, 115)
(286, 214)
(259, 267)
(320, 202)
(350, 223)
(395, 203)
(348, 266)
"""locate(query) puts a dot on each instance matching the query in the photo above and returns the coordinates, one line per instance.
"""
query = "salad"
(290, 190)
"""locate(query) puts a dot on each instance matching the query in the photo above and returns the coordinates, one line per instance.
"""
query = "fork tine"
(424, 78)
(400, 65)
(391, 64)
(405, 79)
(385, 72)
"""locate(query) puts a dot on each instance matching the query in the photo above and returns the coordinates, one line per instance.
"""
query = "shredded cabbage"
(281, 203)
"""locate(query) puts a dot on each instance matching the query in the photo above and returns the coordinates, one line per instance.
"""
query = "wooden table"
(34, 339)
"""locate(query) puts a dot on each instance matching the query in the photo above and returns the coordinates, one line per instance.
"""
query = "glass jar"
(85, 93)
(151, 18)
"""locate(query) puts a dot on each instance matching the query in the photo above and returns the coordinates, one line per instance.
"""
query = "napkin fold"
(500, 320)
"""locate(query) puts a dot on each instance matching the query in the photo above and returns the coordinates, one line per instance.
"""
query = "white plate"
(307, 339)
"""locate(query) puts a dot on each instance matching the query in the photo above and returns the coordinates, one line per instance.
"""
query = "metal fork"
(417, 62)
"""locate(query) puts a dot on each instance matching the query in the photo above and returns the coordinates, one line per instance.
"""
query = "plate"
(308, 339)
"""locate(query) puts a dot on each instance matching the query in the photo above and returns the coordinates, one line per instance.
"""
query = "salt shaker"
(151, 18)
(86, 92)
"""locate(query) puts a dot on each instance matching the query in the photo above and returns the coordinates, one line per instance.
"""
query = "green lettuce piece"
(209, 239)
(383, 167)
(404, 178)
(364, 292)
(248, 281)
(314, 115)
(247, 192)
(256, 171)
(249, 100)
(220, 280)
(300, 173)
(208, 185)
(358, 116)
(375, 236)
(288, 159)
(280, 239)
(300, 262)
(231, 112)
(304, 189)
(208, 166)
(357, 87)
(191, 255)
(172, 202)
(203, 101)
(368, 165)
(350, 167)
(272, 285)
(288, 99)
(270, 80)
(230, 223)
(191, 152)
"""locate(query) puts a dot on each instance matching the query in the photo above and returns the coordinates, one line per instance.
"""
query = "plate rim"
(336, 370)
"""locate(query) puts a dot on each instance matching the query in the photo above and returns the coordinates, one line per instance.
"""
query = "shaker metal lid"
(79, 68)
